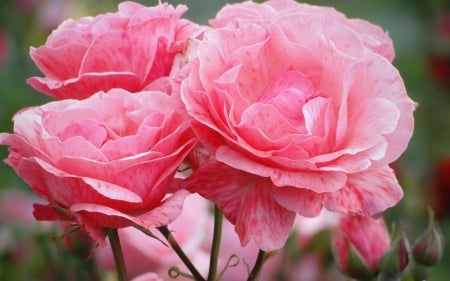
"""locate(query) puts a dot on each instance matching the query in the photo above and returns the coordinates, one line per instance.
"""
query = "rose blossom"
(300, 108)
(132, 49)
(103, 162)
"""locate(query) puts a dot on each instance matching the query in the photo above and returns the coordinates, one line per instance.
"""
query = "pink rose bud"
(356, 267)
(359, 243)
(396, 260)
(428, 248)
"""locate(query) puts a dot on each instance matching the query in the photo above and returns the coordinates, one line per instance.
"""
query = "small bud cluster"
(360, 258)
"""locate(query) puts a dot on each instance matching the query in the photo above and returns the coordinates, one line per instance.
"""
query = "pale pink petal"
(263, 219)
(374, 38)
(267, 119)
(245, 11)
(379, 76)
(310, 28)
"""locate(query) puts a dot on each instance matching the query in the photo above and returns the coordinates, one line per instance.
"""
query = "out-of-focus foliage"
(421, 33)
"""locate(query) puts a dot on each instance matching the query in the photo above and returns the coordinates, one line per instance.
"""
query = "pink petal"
(65, 189)
(374, 38)
(48, 213)
(272, 123)
(313, 30)
(220, 184)
(261, 218)
(375, 86)
(86, 85)
(302, 201)
(316, 181)
(246, 201)
(245, 10)
(367, 193)
(93, 217)
(59, 63)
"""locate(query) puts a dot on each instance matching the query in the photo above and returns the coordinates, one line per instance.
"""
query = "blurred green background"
(420, 30)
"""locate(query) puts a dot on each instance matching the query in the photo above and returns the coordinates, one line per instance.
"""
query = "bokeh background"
(420, 30)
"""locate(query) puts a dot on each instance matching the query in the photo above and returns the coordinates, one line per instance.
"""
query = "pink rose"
(368, 237)
(298, 112)
(132, 49)
(103, 162)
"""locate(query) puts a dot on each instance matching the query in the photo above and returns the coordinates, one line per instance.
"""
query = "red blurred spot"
(440, 189)
(2, 47)
(439, 66)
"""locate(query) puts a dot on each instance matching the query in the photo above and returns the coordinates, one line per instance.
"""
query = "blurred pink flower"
(307, 228)
(147, 277)
(91, 159)
(132, 49)
(300, 109)
(246, 256)
(16, 207)
(143, 253)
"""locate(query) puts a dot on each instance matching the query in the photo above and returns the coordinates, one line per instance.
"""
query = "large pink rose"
(300, 109)
(132, 49)
(102, 162)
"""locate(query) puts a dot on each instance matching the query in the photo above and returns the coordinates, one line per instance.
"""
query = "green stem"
(257, 267)
(118, 255)
(176, 247)
(218, 219)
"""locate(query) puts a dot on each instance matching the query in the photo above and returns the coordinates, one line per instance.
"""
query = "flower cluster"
(277, 109)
